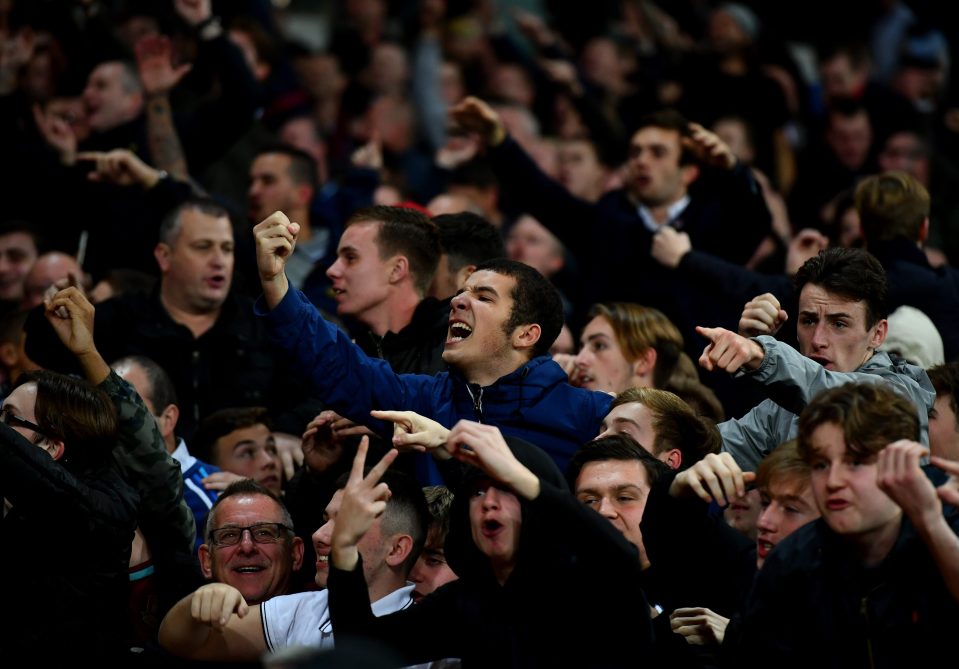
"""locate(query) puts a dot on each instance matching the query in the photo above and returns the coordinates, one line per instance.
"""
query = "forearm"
(180, 634)
(275, 289)
(95, 368)
(162, 138)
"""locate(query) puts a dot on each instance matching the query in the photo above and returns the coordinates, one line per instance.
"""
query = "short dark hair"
(406, 510)
(870, 415)
(221, 423)
(784, 462)
(468, 239)
(76, 413)
(675, 423)
(850, 273)
(26, 227)
(170, 227)
(439, 499)
(247, 488)
(945, 379)
(638, 328)
(891, 205)
(669, 119)
(302, 168)
(614, 447)
(407, 232)
(535, 300)
(161, 391)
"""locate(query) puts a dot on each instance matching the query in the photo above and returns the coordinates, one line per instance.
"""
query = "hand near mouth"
(483, 447)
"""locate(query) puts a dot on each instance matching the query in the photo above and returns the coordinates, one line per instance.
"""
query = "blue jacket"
(535, 402)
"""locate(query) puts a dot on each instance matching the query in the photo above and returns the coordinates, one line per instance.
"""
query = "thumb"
(749, 477)
(242, 609)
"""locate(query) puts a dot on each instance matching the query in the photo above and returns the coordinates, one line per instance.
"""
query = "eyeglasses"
(7, 417)
(261, 533)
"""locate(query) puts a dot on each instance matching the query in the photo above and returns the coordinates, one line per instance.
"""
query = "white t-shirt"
(303, 619)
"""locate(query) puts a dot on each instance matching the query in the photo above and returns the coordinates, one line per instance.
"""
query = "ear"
(526, 336)
(55, 448)
(463, 274)
(399, 268)
(673, 458)
(689, 173)
(206, 560)
(400, 547)
(297, 552)
(924, 231)
(168, 419)
(162, 254)
(8, 354)
(879, 336)
(644, 365)
(304, 194)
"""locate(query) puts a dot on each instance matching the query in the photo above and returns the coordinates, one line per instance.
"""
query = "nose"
(768, 520)
(491, 498)
(322, 535)
(819, 336)
(246, 545)
(459, 302)
(583, 358)
(416, 573)
(606, 508)
(267, 460)
(335, 270)
(834, 478)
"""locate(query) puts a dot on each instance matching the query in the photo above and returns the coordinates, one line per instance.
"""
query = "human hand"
(275, 240)
(715, 478)
(215, 603)
(568, 362)
(154, 55)
(290, 450)
(762, 315)
(220, 480)
(71, 316)
(949, 491)
(458, 149)
(364, 500)
(670, 246)
(699, 626)
(805, 245)
(120, 167)
(709, 148)
(58, 134)
(899, 475)
(474, 115)
(534, 28)
(370, 155)
(321, 449)
(483, 447)
(413, 432)
(729, 351)
(562, 73)
(194, 12)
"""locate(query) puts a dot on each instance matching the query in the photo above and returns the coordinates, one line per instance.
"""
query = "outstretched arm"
(214, 623)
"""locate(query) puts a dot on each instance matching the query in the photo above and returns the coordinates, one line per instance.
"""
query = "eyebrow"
(598, 335)
(628, 421)
(616, 489)
(838, 314)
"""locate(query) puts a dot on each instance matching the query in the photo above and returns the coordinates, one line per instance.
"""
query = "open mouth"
(459, 332)
(216, 281)
(491, 527)
(763, 548)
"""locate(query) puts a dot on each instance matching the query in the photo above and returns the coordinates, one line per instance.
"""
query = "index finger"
(91, 155)
(709, 333)
(391, 416)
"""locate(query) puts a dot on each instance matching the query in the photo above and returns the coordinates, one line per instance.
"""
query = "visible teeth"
(460, 331)
(323, 558)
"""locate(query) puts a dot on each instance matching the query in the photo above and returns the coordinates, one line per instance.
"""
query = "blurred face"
(943, 429)
(108, 104)
(302, 134)
(904, 152)
(46, 271)
(743, 512)
(478, 315)
(724, 32)
(258, 570)
(430, 571)
(617, 490)
(600, 364)
(496, 520)
(198, 268)
(580, 170)
(850, 137)
(361, 279)
(17, 255)
(844, 485)
(371, 547)
(850, 229)
(250, 452)
(634, 419)
(839, 79)
(832, 330)
(787, 505)
(657, 177)
(271, 188)
(73, 112)
(733, 133)
(532, 244)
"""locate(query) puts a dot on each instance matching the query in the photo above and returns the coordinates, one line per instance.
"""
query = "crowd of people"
(442, 325)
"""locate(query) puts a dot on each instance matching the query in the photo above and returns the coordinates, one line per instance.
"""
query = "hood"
(463, 556)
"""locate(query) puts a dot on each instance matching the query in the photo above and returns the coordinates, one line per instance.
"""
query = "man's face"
(844, 485)
(832, 330)
(430, 571)
(743, 512)
(198, 268)
(617, 490)
(271, 188)
(943, 429)
(657, 177)
(17, 255)
(371, 547)
(904, 152)
(250, 452)
(108, 104)
(258, 570)
(496, 520)
(22, 402)
(787, 505)
(839, 78)
(478, 315)
(850, 137)
(361, 279)
(532, 244)
(579, 169)
(633, 419)
(600, 363)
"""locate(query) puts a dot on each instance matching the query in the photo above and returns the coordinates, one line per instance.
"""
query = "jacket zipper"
(864, 611)
(477, 401)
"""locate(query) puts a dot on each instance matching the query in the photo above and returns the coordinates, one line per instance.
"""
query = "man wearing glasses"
(250, 543)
